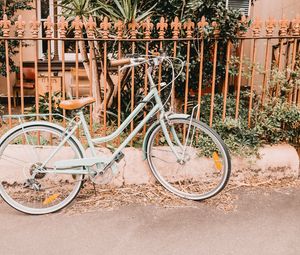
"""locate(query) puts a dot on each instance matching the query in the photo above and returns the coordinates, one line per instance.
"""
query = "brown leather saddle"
(74, 104)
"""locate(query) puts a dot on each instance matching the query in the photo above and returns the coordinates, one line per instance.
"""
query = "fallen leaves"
(111, 198)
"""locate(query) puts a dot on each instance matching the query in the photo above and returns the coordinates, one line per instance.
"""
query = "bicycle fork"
(183, 146)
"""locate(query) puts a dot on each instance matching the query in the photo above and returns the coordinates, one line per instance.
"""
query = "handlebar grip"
(120, 62)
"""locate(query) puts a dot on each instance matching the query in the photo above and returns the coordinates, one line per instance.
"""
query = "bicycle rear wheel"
(23, 185)
(203, 167)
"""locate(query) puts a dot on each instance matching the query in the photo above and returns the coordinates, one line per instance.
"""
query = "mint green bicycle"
(43, 165)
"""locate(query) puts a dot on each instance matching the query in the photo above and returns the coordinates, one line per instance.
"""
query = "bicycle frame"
(158, 107)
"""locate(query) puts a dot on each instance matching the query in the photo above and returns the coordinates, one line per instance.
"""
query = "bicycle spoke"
(198, 174)
(13, 160)
(27, 186)
(32, 145)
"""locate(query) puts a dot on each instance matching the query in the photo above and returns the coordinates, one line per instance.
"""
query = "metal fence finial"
(161, 26)
(202, 24)
(217, 30)
(270, 25)
(284, 25)
(133, 27)
(90, 27)
(189, 25)
(34, 25)
(119, 26)
(77, 25)
(296, 26)
(256, 27)
(20, 26)
(62, 27)
(5, 24)
(147, 27)
(48, 25)
(105, 26)
(175, 26)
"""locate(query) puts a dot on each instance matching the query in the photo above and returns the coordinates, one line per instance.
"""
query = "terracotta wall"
(276, 8)
(263, 9)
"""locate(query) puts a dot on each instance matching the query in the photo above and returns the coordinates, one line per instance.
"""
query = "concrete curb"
(273, 162)
(278, 161)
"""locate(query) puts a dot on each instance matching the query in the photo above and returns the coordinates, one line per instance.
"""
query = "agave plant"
(125, 10)
(81, 8)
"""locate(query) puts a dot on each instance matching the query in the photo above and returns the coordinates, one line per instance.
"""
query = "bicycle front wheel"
(201, 168)
(23, 154)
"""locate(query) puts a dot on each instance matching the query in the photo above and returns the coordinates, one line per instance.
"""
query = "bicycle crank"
(102, 177)
(103, 172)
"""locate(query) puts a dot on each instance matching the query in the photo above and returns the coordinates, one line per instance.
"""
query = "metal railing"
(214, 65)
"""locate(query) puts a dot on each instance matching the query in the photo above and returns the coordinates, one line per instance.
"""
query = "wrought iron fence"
(214, 65)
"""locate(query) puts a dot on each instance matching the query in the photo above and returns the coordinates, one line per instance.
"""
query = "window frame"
(68, 56)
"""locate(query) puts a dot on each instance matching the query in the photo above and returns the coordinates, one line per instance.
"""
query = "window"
(46, 8)
(244, 5)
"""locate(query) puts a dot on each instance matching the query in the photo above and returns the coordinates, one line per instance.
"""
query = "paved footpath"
(263, 223)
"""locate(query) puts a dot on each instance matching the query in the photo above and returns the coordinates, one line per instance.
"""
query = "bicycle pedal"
(119, 157)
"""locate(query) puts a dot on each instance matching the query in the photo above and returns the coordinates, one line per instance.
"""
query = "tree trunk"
(111, 90)
(95, 76)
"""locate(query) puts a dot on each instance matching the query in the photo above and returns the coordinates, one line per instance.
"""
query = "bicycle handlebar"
(135, 60)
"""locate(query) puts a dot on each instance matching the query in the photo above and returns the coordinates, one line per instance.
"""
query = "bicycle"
(43, 165)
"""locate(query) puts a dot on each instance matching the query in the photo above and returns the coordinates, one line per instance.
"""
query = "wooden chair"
(28, 83)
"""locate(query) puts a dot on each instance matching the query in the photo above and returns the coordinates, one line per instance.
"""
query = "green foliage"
(247, 67)
(276, 122)
(11, 8)
(228, 19)
(285, 79)
(80, 8)
(125, 10)
(44, 105)
(213, 10)
(168, 9)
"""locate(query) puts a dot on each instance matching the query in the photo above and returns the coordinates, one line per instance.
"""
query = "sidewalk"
(264, 222)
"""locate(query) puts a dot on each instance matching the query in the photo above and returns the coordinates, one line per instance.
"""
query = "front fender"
(154, 125)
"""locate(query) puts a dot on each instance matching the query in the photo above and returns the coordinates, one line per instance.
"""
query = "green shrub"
(276, 122)
(44, 105)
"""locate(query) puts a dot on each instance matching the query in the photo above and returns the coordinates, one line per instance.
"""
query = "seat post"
(86, 131)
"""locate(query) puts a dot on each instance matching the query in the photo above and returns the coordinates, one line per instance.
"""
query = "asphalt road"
(263, 223)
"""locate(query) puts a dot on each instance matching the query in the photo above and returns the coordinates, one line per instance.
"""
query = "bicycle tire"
(12, 143)
(173, 180)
